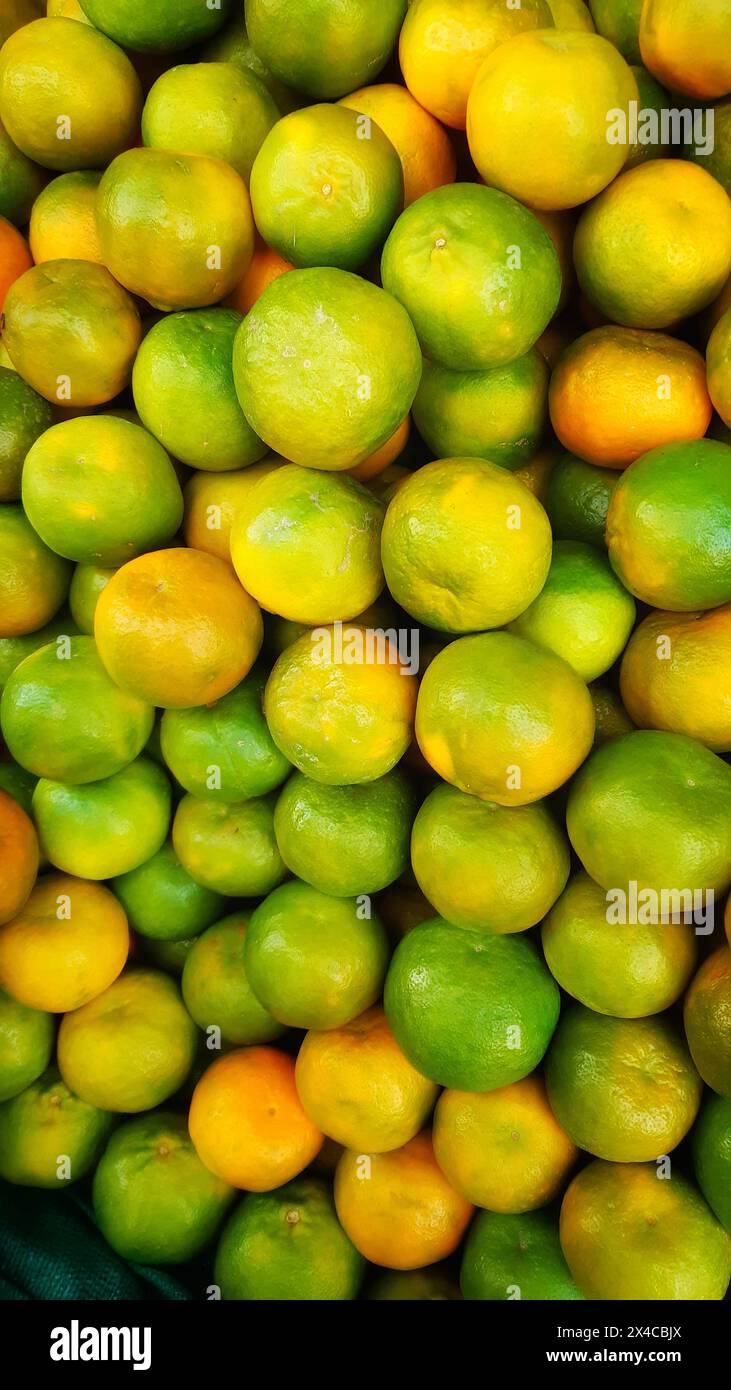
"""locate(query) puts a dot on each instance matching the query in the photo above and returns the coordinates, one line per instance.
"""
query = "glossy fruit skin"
(26, 1044)
(718, 357)
(325, 189)
(359, 1088)
(234, 730)
(711, 1143)
(687, 46)
(34, 581)
(345, 840)
(498, 414)
(104, 828)
(677, 497)
(49, 72)
(504, 1149)
(216, 990)
(212, 500)
(21, 181)
(312, 960)
(422, 144)
(445, 262)
(49, 1136)
(670, 672)
(170, 25)
(628, 1235)
(628, 971)
(680, 839)
(154, 1201)
(577, 499)
(184, 391)
(19, 865)
(214, 109)
(227, 847)
(163, 902)
(327, 47)
(624, 1089)
(131, 1047)
(24, 416)
(334, 419)
(508, 1253)
(452, 996)
(63, 220)
(487, 867)
(706, 1017)
(72, 332)
(288, 1245)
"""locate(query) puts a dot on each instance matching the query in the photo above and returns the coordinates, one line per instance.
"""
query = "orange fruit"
(18, 857)
(537, 121)
(63, 219)
(214, 109)
(52, 75)
(503, 1149)
(398, 1208)
(176, 628)
(247, 1122)
(71, 331)
(443, 44)
(617, 392)
(33, 580)
(66, 945)
(655, 246)
(421, 143)
(265, 266)
(15, 257)
(175, 229)
(358, 1087)
(382, 458)
(676, 675)
(687, 45)
(212, 502)
(323, 48)
(706, 1015)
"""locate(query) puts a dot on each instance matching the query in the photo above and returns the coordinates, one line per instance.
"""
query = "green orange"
(629, 1233)
(499, 414)
(175, 229)
(324, 48)
(298, 523)
(477, 273)
(508, 1257)
(49, 1136)
(628, 969)
(216, 989)
(312, 960)
(338, 716)
(577, 499)
(184, 391)
(169, 25)
(21, 180)
(26, 1044)
(154, 1201)
(129, 1048)
(465, 545)
(326, 366)
(100, 490)
(503, 1150)
(488, 867)
(502, 718)
(163, 902)
(86, 585)
(718, 357)
(326, 187)
(229, 847)
(655, 246)
(51, 74)
(712, 1156)
(33, 580)
(623, 1089)
(24, 415)
(678, 838)
(223, 751)
(666, 522)
(215, 109)
(706, 1015)
(470, 1010)
(619, 21)
(345, 840)
(421, 143)
(72, 332)
(583, 613)
(104, 828)
(288, 1245)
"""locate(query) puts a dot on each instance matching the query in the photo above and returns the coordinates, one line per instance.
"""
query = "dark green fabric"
(50, 1248)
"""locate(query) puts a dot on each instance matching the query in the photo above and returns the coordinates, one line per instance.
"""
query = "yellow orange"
(676, 675)
(212, 501)
(421, 143)
(63, 219)
(686, 44)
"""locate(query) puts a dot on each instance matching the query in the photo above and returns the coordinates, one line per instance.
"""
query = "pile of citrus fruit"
(365, 639)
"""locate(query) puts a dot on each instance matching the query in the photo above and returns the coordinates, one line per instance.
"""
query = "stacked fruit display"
(365, 640)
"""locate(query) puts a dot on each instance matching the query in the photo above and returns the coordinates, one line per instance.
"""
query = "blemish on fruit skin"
(292, 1217)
